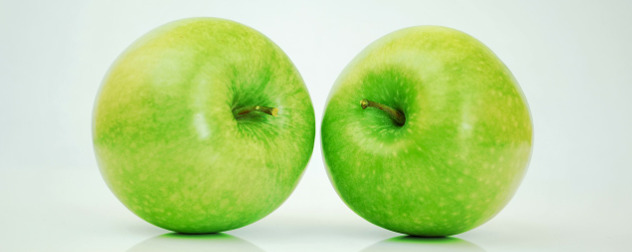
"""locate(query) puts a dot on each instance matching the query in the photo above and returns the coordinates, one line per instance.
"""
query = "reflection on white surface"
(178, 242)
(410, 243)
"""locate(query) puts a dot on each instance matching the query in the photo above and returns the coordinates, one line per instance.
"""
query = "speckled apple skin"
(463, 150)
(168, 144)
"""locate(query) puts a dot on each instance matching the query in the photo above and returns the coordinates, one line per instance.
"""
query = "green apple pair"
(204, 125)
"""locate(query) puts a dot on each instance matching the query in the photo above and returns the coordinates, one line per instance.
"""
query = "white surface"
(572, 59)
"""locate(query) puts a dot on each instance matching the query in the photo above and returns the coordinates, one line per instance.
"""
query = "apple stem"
(397, 116)
(242, 111)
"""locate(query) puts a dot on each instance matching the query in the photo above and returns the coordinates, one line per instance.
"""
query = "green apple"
(426, 132)
(203, 125)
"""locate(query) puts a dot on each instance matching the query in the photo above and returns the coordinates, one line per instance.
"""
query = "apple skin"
(167, 140)
(462, 151)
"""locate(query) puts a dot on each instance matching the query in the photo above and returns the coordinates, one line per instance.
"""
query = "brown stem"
(397, 116)
(242, 111)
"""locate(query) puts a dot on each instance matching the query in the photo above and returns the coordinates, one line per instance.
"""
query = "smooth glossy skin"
(167, 141)
(462, 151)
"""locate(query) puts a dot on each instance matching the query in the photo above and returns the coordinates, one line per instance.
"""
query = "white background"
(573, 60)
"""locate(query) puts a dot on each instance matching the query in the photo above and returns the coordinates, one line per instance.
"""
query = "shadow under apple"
(207, 242)
(411, 243)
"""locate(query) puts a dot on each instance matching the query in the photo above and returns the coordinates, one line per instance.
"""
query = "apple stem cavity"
(397, 116)
(244, 111)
